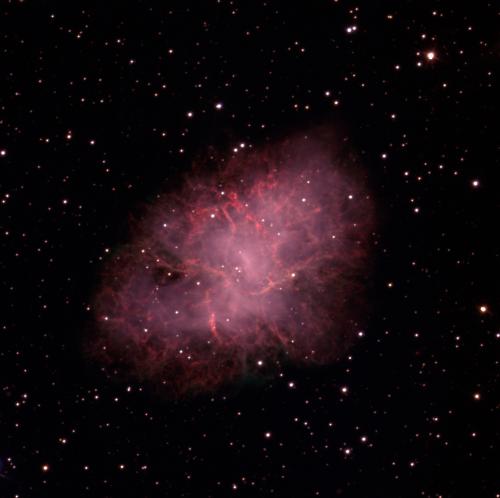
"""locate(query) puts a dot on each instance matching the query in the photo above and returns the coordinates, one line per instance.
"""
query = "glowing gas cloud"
(259, 260)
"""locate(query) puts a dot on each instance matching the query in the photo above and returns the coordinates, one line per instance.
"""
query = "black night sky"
(104, 107)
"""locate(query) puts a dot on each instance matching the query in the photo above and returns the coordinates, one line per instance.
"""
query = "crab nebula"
(258, 260)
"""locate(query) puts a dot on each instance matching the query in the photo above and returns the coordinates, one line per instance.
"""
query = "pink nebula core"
(261, 260)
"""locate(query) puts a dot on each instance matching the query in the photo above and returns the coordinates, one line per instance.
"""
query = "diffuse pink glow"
(263, 259)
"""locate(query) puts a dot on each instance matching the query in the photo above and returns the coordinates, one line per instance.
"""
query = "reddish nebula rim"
(261, 260)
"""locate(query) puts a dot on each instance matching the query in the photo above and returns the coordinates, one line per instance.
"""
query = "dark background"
(422, 382)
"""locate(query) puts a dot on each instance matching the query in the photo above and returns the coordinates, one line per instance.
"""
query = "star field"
(105, 108)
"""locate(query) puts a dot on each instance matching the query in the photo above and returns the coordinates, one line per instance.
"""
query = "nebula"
(258, 260)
